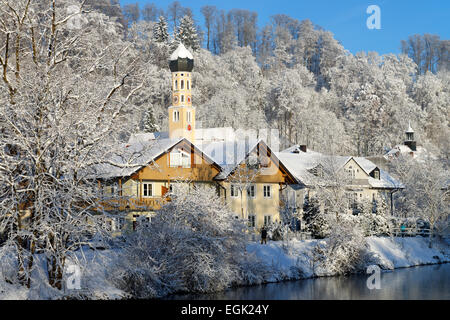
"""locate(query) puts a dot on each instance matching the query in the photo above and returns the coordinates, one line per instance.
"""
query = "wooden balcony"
(133, 204)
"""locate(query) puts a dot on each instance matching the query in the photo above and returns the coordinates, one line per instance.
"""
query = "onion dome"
(181, 60)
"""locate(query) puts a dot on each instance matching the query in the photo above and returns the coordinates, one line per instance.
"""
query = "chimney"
(303, 148)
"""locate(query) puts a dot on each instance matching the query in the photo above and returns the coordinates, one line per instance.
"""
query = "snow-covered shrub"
(344, 250)
(276, 231)
(375, 225)
(194, 244)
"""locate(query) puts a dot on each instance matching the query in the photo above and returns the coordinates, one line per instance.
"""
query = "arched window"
(176, 84)
(176, 116)
(188, 85)
(182, 84)
(189, 117)
(182, 98)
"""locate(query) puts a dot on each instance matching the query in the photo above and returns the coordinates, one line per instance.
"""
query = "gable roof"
(301, 164)
(230, 163)
(139, 153)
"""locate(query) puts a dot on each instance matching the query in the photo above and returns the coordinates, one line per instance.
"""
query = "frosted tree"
(150, 124)
(160, 30)
(426, 192)
(193, 244)
(62, 112)
(242, 178)
(187, 33)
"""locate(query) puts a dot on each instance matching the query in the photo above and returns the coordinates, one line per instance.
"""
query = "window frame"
(251, 221)
(267, 195)
(176, 116)
(234, 192)
(251, 187)
(152, 189)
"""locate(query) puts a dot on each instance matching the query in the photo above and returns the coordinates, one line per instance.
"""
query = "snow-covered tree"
(62, 111)
(187, 33)
(160, 30)
(193, 244)
(150, 124)
(344, 250)
(426, 193)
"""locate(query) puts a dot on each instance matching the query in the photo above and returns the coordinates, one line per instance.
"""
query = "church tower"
(182, 113)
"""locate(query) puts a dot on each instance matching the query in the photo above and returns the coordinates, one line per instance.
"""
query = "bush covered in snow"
(344, 251)
(194, 244)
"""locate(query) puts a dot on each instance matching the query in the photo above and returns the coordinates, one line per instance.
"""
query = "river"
(423, 283)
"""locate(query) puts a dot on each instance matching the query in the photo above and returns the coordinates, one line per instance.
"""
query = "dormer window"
(377, 175)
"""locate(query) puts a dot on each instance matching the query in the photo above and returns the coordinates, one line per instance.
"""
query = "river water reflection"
(425, 282)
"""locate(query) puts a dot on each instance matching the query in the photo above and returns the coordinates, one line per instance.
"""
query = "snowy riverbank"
(294, 259)
(283, 261)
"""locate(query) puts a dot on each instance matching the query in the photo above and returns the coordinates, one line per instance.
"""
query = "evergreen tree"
(160, 30)
(150, 124)
(315, 221)
(187, 33)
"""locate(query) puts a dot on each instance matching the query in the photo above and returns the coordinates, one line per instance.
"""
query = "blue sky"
(345, 18)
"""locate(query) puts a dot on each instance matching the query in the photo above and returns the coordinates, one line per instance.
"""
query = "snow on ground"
(407, 252)
(294, 259)
(285, 261)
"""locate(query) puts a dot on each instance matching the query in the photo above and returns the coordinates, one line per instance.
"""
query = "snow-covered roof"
(301, 164)
(227, 154)
(421, 154)
(182, 53)
(386, 181)
(130, 157)
(367, 165)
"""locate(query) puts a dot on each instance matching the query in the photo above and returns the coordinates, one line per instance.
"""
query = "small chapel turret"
(181, 112)
(410, 142)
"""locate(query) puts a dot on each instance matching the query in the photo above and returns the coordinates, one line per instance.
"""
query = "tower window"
(176, 84)
(176, 116)
(182, 98)
(189, 117)
(188, 85)
(182, 84)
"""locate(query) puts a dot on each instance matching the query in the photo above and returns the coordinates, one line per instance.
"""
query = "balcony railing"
(133, 204)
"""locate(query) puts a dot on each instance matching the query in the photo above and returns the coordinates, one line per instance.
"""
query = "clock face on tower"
(189, 127)
(175, 99)
(189, 99)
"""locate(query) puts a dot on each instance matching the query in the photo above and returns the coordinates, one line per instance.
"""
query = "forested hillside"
(295, 76)
(288, 74)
